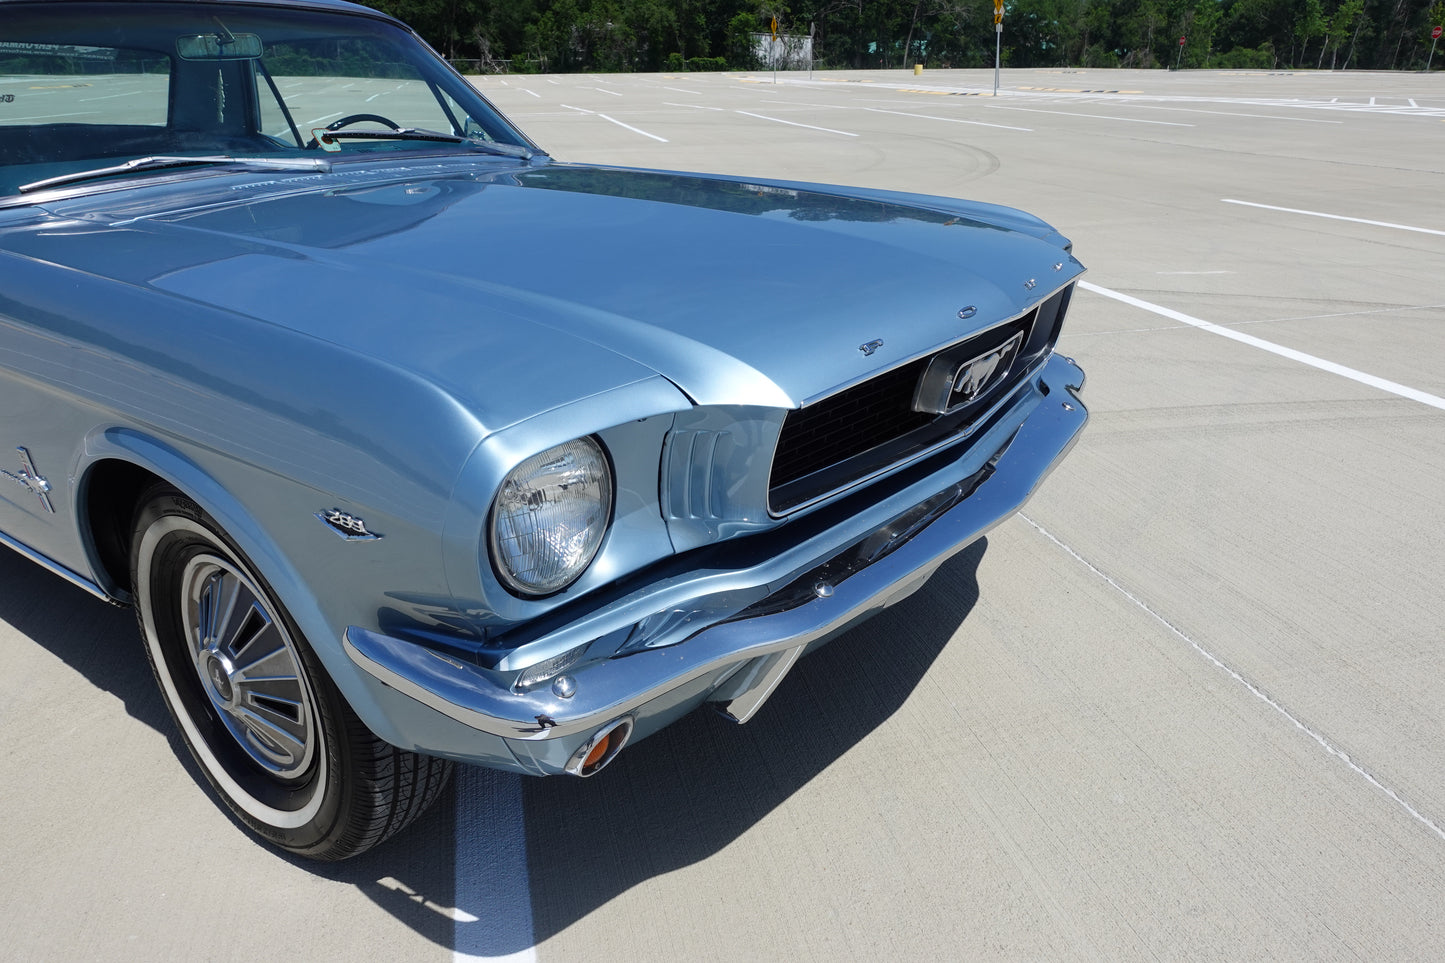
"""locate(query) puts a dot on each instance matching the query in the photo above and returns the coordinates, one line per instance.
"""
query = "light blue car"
(410, 444)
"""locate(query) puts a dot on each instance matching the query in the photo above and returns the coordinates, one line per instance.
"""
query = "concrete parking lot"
(1188, 705)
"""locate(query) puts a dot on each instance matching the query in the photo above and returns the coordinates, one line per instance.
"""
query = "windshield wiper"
(419, 133)
(318, 164)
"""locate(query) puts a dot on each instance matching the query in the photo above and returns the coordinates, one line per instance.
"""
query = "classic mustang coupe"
(409, 444)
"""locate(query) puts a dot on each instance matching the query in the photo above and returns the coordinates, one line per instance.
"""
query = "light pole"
(997, 40)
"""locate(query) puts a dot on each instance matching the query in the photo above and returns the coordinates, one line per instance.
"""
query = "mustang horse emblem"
(969, 382)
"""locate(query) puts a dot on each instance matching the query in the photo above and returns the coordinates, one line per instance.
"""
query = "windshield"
(88, 86)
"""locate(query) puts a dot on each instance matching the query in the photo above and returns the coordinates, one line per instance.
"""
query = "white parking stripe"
(584, 110)
(1335, 217)
(1253, 689)
(635, 130)
(1404, 391)
(1072, 113)
(492, 884)
(950, 120)
(1231, 113)
(73, 113)
(790, 123)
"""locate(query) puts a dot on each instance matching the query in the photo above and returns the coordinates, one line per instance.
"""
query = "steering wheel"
(350, 119)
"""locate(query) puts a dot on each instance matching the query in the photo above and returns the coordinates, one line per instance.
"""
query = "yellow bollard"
(918, 70)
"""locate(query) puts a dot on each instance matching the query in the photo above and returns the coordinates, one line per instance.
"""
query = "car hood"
(737, 292)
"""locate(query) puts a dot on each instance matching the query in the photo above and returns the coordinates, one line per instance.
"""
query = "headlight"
(550, 516)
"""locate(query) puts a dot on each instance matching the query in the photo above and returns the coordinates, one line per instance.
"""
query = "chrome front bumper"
(735, 663)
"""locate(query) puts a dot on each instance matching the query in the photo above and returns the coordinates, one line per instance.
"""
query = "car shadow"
(675, 799)
(692, 789)
(94, 638)
(100, 642)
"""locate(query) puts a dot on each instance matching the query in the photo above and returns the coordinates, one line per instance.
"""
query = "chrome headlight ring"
(549, 517)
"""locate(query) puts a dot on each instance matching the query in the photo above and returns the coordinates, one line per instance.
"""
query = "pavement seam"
(1253, 689)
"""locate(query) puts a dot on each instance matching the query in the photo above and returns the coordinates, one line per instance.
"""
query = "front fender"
(269, 558)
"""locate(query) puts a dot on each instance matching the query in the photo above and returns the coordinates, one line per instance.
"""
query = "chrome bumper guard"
(750, 655)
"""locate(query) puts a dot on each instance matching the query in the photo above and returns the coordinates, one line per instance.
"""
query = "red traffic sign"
(1435, 34)
(1181, 41)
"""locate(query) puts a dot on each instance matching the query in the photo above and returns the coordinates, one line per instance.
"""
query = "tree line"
(561, 36)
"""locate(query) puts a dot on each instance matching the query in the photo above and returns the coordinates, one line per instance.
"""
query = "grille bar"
(864, 429)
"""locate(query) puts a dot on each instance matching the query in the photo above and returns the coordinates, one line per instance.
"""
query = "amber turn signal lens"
(598, 753)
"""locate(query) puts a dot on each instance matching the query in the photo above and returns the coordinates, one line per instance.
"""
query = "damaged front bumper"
(582, 717)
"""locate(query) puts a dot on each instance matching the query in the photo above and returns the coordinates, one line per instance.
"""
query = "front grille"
(868, 427)
(849, 423)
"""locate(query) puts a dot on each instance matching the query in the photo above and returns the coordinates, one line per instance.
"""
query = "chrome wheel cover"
(248, 666)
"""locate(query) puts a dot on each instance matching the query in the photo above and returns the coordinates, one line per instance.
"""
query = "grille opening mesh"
(868, 427)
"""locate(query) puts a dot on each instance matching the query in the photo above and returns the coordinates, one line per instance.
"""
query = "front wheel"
(269, 729)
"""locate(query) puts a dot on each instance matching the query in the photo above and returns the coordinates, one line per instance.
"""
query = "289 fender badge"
(870, 347)
(346, 525)
(31, 479)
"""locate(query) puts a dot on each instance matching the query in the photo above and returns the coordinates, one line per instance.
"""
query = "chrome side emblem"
(346, 525)
(870, 347)
(1030, 284)
(31, 479)
(968, 312)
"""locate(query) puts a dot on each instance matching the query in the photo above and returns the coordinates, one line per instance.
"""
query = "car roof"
(335, 5)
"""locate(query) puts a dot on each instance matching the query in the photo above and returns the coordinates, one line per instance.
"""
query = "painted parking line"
(73, 113)
(1071, 113)
(1231, 113)
(791, 123)
(635, 130)
(493, 918)
(948, 120)
(1336, 217)
(1394, 388)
